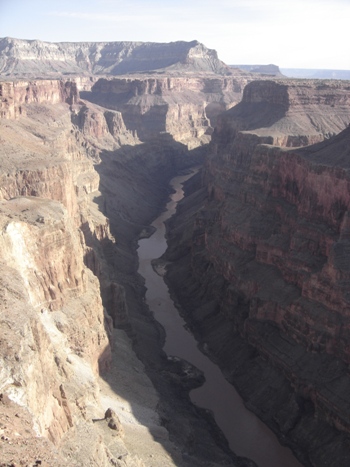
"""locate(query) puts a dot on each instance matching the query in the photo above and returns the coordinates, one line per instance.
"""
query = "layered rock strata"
(75, 176)
(15, 95)
(258, 255)
(41, 59)
(290, 113)
(185, 107)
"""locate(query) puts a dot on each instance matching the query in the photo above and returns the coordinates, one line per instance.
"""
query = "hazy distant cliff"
(291, 113)
(37, 58)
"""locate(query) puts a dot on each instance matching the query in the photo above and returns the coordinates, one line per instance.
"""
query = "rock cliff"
(41, 59)
(185, 107)
(268, 70)
(258, 261)
(292, 113)
(14, 95)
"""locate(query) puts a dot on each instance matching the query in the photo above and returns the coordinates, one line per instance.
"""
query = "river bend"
(246, 434)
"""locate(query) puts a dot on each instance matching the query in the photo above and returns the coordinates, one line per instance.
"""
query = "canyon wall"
(258, 252)
(185, 107)
(54, 328)
(13, 95)
(258, 261)
(291, 113)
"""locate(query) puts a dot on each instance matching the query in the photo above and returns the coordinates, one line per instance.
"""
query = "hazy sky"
(295, 34)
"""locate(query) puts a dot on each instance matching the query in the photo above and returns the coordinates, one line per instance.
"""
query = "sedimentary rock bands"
(259, 253)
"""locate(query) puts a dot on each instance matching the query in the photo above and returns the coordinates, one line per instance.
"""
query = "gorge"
(256, 259)
(246, 435)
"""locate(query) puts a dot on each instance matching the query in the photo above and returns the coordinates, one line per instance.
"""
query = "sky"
(290, 34)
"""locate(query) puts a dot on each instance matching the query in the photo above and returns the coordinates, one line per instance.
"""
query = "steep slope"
(258, 261)
(41, 59)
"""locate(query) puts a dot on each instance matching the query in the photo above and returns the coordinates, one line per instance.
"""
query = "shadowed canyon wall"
(185, 107)
(258, 261)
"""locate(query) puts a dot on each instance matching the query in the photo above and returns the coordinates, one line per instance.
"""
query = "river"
(246, 434)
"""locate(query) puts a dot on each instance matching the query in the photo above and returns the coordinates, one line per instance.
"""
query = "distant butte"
(33, 58)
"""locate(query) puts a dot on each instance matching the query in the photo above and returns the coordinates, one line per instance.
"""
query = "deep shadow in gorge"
(134, 187)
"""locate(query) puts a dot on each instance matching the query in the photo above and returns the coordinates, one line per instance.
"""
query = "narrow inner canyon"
(246, 434)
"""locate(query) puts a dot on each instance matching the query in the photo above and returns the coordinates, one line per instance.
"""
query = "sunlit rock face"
(14, 96)
(65, 314)
(55, 339)
(260, 251)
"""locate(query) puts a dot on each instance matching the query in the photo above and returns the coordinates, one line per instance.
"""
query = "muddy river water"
(246, 434)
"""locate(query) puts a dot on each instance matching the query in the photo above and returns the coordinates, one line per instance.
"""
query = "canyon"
(256, 259)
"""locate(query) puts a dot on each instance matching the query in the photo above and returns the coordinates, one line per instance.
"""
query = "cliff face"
(184, 107)
(291, 114)
(36, 58)
(260, 253)
(58, 313)
(14, 95)
(50, 299)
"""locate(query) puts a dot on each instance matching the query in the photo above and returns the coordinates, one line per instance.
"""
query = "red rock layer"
(281, 237)
(14, 95)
